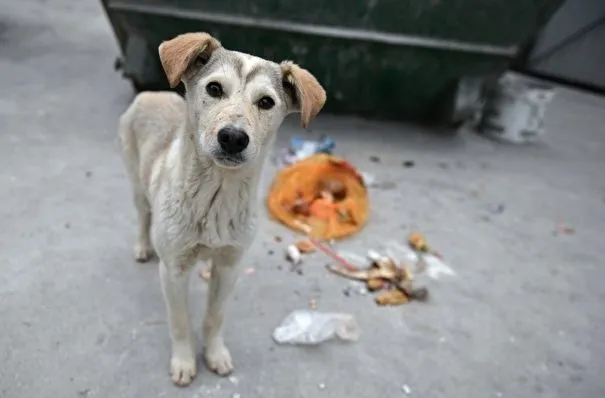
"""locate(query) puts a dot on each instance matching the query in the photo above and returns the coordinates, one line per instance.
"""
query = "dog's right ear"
(179, 53)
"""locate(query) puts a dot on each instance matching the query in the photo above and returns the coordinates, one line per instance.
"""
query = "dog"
(194, 166)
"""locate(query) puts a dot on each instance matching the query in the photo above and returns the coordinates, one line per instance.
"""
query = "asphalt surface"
(522, 317)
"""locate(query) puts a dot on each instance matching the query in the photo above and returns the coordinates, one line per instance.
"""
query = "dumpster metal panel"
(398, 64)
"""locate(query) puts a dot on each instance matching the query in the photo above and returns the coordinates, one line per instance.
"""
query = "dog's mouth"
(229, 161)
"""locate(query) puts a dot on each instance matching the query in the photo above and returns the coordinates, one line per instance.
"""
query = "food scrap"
(384, 275)
(418, 242)
(392, 297)
(305, 246)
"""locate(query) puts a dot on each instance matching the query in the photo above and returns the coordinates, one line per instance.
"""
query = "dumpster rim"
(318, 30)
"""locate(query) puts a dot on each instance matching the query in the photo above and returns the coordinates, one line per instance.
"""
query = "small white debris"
(374, 256)
(442, 340)
(406, 389)
(322, 386)
(293, 255)
(234, 380)
(236, 395)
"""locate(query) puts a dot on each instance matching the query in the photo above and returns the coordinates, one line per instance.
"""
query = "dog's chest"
(222, 215)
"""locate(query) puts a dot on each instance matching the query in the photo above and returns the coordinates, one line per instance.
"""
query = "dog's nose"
(232, 139)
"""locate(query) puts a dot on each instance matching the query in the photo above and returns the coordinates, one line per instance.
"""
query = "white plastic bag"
(312, 327)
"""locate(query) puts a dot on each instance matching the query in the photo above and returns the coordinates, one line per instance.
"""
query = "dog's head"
(236, 102)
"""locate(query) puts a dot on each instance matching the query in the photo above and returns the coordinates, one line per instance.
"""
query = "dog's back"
(146, 130)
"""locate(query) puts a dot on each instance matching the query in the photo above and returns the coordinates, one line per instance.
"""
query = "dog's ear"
(307, 95)
(179, 53)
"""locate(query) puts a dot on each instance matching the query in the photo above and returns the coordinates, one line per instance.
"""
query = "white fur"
(190, 206)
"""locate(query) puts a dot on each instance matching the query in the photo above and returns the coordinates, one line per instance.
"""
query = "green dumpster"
(395, 59)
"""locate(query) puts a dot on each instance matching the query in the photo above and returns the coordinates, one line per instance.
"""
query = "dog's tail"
(128, 143)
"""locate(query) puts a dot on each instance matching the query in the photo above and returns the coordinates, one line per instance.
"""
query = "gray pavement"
(523, 317)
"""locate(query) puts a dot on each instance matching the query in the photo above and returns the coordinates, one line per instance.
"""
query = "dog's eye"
(214, 90)
(265, 103)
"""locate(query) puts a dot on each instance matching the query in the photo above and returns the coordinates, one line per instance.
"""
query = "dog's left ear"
(307, 95)
(179, 53)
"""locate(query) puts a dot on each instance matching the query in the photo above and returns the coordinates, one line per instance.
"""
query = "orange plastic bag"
(296, 197)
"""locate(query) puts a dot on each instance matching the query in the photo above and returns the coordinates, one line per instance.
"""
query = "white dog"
(194, 166)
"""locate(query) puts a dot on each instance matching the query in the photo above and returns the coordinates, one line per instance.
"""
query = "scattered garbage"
(371, 181)
(406, 389)
(293, 255)
(374, 159)
(390, 276)
(305, 246)
(429, 261)
(308, 327)
(393, 281)
(418, 242)
(515, 110)
(408, 164)
(563, 229)
(301, 149)
(322, 192)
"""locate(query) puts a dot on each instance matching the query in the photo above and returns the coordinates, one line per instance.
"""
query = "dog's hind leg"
(143, 249)
(222, 282)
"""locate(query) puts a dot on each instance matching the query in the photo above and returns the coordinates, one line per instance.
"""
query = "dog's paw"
(143, 252)
(218, 359)
(182, 370)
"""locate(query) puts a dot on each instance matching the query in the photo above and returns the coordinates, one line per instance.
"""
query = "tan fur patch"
(177, 54)
(310, 93)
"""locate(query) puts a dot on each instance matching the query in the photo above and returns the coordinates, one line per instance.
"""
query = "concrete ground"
(79, 318)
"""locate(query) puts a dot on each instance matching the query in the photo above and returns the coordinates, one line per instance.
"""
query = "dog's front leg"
(175, 285)
(222, 282)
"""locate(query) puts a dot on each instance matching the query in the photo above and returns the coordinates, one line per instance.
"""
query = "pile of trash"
(393, 280)
(301, 149)
(322, 195)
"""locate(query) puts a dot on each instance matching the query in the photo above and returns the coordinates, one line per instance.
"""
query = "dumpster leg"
(141, 65)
